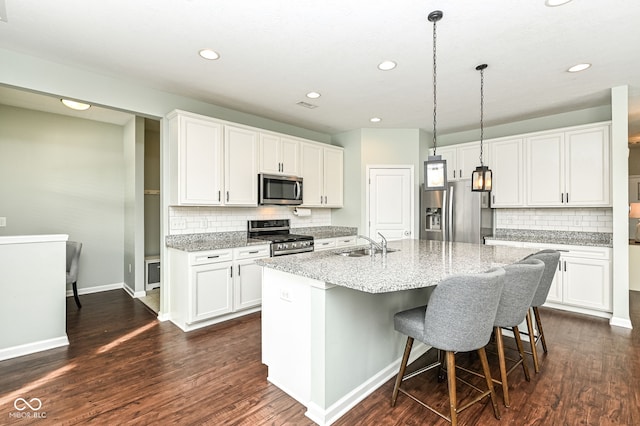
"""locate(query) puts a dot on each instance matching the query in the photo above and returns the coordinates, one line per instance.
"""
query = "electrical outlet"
(3, 222)
(178, 223)
(129, 268)
(284, 295)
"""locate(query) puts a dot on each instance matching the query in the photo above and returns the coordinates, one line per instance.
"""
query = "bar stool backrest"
(462, 309)
(550, 259)
(521, 281)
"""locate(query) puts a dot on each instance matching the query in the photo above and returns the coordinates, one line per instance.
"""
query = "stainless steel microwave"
(279, 190)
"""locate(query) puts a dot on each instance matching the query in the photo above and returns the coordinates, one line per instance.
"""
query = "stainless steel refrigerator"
(456, 214)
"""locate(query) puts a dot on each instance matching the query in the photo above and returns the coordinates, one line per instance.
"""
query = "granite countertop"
(596, 239)
(326, 231)
(416, 264)
(211, 241)
(225, 240)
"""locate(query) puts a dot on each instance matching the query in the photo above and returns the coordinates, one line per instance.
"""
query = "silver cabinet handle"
(565, 266)
(493, 199)
(567, 198)
(218, 196)
(254, 252)
(325, 199)
(321, 199)
(231, 269)
(454, 174)
(239, 269)
(460, 173)
(213, 257)
(227, 196)
(562, 198)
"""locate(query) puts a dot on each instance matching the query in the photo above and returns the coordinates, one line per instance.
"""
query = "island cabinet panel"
(507, 164)
(197, 162)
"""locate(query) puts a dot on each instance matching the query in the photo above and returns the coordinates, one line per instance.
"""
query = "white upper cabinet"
(569, 169)
(197, 160)
(587, 170)
(322, 173)
(507, 165)
(241, 166)
(462, 159)
(279, 155)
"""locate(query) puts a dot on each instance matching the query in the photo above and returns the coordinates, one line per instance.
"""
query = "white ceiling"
(274, 52)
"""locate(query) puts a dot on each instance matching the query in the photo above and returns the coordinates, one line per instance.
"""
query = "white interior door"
(391, 203)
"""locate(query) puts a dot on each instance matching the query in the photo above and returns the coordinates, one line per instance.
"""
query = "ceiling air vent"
(307, 105)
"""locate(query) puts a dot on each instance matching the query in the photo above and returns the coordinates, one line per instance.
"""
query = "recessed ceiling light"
(554, 3)
(313, 95)
(579, 67)
(387, 65)
(375, 119)
(78, 106)
(209, 54)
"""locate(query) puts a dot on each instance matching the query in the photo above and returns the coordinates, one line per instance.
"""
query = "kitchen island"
(327, 319)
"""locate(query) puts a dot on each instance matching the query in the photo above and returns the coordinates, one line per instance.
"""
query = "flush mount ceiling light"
(435, 168)
(313, 95)
(375, 119)
(387, 65)
(579, 67)
(78, 106)
(210, 54)
(481, 178)
(554, 3)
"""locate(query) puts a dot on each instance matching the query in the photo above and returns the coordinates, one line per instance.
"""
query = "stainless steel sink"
(362, 252)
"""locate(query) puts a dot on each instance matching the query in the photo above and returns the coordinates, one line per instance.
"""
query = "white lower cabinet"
(583, 279)
(334, 242)
(213, 286)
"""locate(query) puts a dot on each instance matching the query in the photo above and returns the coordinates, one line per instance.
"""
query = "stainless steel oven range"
(277, 232)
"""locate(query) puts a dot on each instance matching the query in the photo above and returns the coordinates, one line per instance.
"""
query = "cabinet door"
(507, 166)
(449, 155)
(545, 183)
(211, 291)
(241, 167)
(247, 285)
(200, 161)
(290, 150)
(555, 291)
(587, 283)
(311, 163)
(587, 167)
(468, 158)
(270, 155)
(333, 177)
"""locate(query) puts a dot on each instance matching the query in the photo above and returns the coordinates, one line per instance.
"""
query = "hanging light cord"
(481, 68)
(434, 87)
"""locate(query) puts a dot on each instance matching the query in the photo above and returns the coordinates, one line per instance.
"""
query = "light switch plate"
(3, 221)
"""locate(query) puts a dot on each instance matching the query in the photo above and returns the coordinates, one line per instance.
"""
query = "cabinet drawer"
(212, 256)
(251, 252)
(346, 241)
(324, 244)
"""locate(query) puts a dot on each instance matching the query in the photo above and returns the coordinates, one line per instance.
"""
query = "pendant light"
(481, 177)
(435, 168)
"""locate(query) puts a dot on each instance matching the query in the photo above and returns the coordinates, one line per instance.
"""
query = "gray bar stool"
(551, 259)
(520, 283)
(458, 318)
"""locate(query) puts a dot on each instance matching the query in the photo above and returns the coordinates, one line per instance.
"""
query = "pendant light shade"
(482, 177)
(435, 168)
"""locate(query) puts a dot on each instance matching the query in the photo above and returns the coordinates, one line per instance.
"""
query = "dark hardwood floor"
(124, 367)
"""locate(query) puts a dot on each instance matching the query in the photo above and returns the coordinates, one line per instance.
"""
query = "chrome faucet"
(382, 246)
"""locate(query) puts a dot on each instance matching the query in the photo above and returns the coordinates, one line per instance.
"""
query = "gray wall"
(634, 161)
(63, 175)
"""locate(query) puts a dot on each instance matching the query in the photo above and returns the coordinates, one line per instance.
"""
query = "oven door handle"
(294, 251)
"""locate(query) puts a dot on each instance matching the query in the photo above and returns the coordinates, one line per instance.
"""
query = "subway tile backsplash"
(196, 220)
(573, 219)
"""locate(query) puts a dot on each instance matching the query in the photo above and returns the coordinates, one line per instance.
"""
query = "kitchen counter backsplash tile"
(318, 232)
(202, 220)
(600, 239)
(211, 241)
(596, 219)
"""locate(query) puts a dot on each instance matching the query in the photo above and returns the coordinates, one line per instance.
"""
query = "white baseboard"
(132, 293)
(200, 324)
(96, 289)
(620, 322)
(346, 403)
(29, 348)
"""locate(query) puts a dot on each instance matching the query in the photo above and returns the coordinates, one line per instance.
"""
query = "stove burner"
(277, 232)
